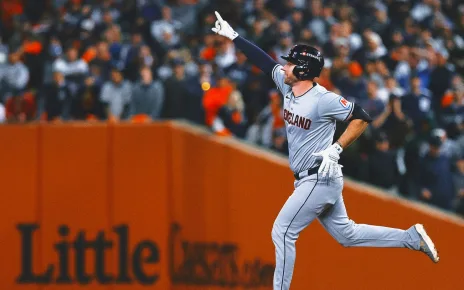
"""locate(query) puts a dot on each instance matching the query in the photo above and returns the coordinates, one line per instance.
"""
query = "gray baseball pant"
(322, 199)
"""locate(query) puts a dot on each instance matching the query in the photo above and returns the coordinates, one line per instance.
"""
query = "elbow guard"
(359, 113)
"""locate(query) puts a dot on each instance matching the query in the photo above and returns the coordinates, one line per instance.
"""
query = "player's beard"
(290, 80)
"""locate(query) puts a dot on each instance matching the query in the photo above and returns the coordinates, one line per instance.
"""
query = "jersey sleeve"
(333, 106)
(278, 77)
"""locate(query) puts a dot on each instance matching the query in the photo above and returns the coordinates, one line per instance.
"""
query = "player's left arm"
(334, 107)
(358, 122)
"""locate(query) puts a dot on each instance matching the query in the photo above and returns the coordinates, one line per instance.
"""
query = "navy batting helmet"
(308, 60)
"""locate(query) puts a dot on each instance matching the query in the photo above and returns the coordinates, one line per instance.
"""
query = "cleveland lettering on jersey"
(297, 120)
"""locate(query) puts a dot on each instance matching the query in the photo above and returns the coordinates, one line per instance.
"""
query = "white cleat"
(426, 244)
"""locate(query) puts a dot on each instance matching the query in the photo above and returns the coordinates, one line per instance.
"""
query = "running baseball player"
(310, 112)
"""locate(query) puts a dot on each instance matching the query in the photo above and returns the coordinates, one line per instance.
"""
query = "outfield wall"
(169, 206)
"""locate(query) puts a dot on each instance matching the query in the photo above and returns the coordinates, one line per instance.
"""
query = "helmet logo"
(314, 56)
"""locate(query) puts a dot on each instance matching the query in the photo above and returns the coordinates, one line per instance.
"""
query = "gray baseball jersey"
(310, 120)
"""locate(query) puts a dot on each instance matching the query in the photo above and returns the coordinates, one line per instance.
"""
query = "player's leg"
(350, 234)
(306, 202)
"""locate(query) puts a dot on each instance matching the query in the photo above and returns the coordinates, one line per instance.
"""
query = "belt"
(306, 173)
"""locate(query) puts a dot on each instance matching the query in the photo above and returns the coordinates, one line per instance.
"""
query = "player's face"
(290, 78)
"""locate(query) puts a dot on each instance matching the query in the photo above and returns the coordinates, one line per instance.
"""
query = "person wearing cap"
(417, 104)
(175, 91)
(440, 79)
(436, 182)
(240, 70)
(382, 168)
(55, 98)
(448, 147)
(196, 86)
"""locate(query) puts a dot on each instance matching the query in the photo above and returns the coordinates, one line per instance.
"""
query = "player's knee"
(344, 242)
(277, 233)
(347, 234)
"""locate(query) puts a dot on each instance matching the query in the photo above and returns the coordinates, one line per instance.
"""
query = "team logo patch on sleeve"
(344, 102)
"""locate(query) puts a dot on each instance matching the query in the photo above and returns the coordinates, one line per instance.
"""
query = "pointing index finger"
(218, 16)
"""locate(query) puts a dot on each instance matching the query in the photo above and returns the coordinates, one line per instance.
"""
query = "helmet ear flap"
(302, 73)
(298, 72)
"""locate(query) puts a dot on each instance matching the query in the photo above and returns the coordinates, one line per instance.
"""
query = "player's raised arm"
(255, 54)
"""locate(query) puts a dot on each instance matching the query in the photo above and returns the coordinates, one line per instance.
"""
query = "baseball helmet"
(308, 60)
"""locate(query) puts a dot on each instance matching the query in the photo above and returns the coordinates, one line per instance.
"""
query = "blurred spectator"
(255, 96)
(165, 30)
(397, 124)
(417, 104)
(374, 106)
(436, 179)
(239, 71)
(353, 85)
(379, 22)
(175, 88)
(196, 87)
(14, 75)
(261, 131)
(285, 42)
(452, 103)
(382, 169)
(131, 57)
(116, 94)
(73, 68)
(56, 98)
(372, 49)
(20, 107)
(87, 105)
(391, 88)
(225, 53)
(147, 96)
(318, 24)
(213, 102)
(448, 147)
(440, 80)
(232, 113)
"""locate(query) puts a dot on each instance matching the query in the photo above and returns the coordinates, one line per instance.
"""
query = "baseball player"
(310, 113)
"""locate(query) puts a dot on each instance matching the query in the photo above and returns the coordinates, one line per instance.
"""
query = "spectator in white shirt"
(166, 26)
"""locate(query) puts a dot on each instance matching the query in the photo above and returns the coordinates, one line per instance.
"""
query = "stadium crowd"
(144, 60)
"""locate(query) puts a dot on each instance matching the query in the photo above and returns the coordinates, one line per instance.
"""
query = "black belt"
(306, 173)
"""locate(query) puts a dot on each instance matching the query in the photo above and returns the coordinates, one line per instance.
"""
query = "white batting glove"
(223, 28)
(330, 157)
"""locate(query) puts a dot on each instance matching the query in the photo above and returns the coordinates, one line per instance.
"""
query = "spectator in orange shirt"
(232, 114)
(216, 97)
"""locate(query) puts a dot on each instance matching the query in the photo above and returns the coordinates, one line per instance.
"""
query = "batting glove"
(330, 157)
(223, 28)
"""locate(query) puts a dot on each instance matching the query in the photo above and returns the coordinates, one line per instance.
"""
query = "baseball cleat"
(426, 244)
